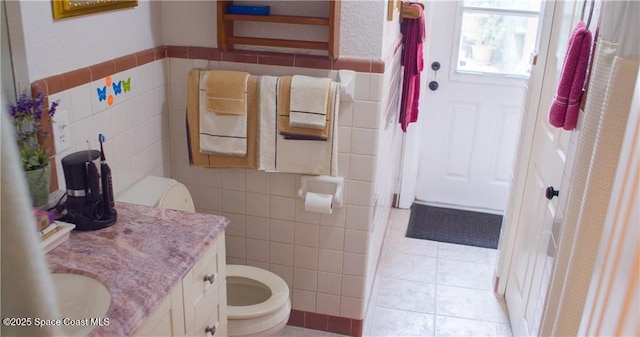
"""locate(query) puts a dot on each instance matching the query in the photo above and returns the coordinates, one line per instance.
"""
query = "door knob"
(550, 192)
(435, 66)
(210, 329)
(210, 278)
(433, 85)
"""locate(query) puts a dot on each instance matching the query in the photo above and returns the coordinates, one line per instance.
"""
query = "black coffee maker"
(90, 203)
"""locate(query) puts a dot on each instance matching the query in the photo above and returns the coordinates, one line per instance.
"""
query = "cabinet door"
(222, 262)
(210, 325)
(201, 288)
(167, 319)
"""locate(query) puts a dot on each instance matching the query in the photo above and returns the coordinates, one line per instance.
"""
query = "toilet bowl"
(258, 301)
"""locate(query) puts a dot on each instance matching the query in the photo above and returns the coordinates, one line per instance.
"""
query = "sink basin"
(83, 301)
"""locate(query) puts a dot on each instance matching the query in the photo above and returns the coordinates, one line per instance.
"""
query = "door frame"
(410, 157)
(411, 154)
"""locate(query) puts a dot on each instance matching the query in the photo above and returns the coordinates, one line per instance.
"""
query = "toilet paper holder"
(324, 185)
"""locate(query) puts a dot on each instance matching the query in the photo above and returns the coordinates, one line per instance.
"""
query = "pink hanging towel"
(566, 104)
(412, 60)
(575, 95)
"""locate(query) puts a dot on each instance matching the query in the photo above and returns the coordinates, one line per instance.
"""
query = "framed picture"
(67, 8)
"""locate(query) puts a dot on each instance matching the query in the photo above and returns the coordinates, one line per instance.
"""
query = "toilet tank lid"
(148, 191)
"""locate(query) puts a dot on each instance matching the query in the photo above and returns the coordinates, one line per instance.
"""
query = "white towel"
(309, 99)
(310, 156)
(267, 116)
(220, 134)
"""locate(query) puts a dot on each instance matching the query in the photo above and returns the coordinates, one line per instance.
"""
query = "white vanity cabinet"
(167, 319)
(197, 305)
(205, 295)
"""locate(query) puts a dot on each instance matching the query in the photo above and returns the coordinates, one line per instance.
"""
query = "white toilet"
(258, 301)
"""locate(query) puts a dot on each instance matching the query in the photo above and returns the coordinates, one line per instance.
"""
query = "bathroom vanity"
(165, 271)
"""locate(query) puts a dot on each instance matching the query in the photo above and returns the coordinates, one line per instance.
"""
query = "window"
(498, 36)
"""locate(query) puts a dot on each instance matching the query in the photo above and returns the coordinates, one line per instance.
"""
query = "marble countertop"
(140, 258)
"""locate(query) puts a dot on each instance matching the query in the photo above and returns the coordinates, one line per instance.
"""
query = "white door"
(469, 125)
(533, 251)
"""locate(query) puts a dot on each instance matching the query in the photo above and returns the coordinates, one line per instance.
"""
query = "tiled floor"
(428, 288)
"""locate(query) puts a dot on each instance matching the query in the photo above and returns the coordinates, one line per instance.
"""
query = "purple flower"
(27, 119)
(38, 106)
(13, 111)
(24, 104)
(54, 106)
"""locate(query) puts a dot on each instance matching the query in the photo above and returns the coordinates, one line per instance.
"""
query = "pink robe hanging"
(412, 60)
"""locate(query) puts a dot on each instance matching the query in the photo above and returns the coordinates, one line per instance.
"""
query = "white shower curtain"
(611, 88)
(27, 291)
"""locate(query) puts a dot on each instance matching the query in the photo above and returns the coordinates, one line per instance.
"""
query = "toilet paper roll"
(318, 202)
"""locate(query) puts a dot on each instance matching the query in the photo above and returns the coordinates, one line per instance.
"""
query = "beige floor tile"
(456, 327)
(492, 257)
(503, 330)
(409, 267)
(405, 298)
(450, 251)
(406, 295)
(391, 322)
(464, 274)
(475, 304)
(399, 244)
(399, 220)
(501, 312)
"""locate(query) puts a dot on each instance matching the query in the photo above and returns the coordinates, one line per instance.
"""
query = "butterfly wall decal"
(117, 87)
(102, 93)
(126, 85)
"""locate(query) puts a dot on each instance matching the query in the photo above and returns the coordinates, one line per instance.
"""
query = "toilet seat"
(262, 319)
(279, 292)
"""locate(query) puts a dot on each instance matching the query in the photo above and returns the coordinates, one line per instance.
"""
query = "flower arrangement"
(27, 119)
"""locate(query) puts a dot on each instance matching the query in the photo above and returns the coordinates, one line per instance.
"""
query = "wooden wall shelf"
(301, 20)
(226, 38)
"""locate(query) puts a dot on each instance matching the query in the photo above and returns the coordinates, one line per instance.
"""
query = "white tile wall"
(328, 304)
(305, 279)
(330, 260)
(331, 238)
(329, 283)
(136, 126)
(388, 157)
(324, 258)
(281, 230)
(306, 234)
(304, 300)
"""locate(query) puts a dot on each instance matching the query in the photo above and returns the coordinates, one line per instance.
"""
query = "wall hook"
(584, 6)
(409, 12)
